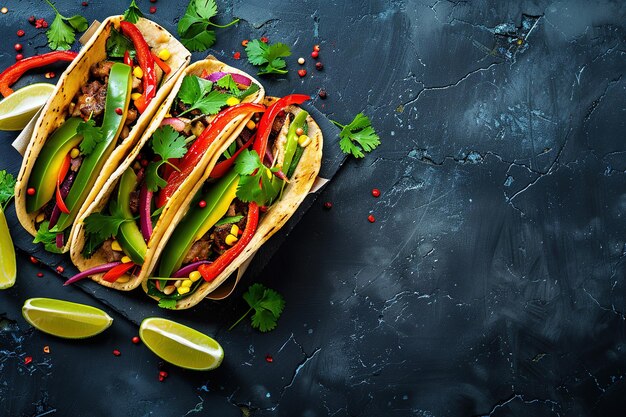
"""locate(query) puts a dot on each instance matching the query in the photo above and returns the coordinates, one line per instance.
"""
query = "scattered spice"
(319, 66)
(237, 55)
(34, 260)
(153, 1)
(152, 9)
(60, 269)
(46, 349)
(27, 360)
(161, 379)
(322, 94)
(30, 191)
(116, 352)
(376, 192)
(49, 75)
(244, 42)
(328, 205)
(265, 39)
(20, 33)
(371, 218)
(85, 4)
(18, 47)
(41, 23)
(32, 20)
(119, 111)
(314, 54)
(316, 48)
(40, 274)
(164, 374)
(301, 61)
(135, 340)
(302, 72)
(19, 57)
(268, 358)
(202, 204)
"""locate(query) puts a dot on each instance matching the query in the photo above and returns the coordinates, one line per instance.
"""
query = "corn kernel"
(74, 153)
(183, 290)
(234, 230)
(231, 240)
(304, 141)
(164, 54)
(251, 125)
(186, 283)
(232, 101)
(40, 217)
(138, 72)
(123, 279)
(115, 245)
(194, 276)
(126, 260)
(135, 96)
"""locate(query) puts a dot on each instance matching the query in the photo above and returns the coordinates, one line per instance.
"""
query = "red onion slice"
(188, 269)
(92, 271)
(238, 78)
(176, 123)
(54, 217)
(145, 198)
(60, 240)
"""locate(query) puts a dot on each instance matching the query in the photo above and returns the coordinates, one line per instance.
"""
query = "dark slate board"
(135, 305)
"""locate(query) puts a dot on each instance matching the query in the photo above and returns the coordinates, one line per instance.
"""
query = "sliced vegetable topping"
(146, 62)
(15, 71)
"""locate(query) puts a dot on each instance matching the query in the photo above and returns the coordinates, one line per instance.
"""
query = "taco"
(210, 102)
(253, 185)
(97, 112)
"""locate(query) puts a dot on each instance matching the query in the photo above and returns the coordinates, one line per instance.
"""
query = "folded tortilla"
(56, 110)
(276, 216)
(210, 65)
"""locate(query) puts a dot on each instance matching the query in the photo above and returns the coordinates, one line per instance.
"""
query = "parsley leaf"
(257, 182)
(267, 304)
(7, 188)
(358, 136)
(47, 237)
(133, 13)
(118, 44)
(92, 135)
(260, 53)
(193, 26)
(168, 303)
(168, 144)
(61, 33)
(228, 83)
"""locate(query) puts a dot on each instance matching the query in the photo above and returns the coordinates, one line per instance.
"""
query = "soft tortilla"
(277, 215)
(75, 76)
(211, 65)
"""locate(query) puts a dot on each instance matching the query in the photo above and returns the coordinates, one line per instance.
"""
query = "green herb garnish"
(229, 84)
(358, 136)
(7, 188)
(118, 44)
(193, 26)
(91, 134)
(228, 220)
(62, 32)
(133, 13)
(257, 182)
(197, 93)
(260, 53)
(167, 143)
(267, 305)
(47, 237)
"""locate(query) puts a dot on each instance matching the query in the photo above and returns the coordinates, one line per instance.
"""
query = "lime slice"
(181, 345)
(65, 319)
(17, 109)
(8, 269)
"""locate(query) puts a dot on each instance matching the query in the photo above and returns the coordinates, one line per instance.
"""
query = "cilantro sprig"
(133, 13)
(62, 32)
(267, 304)
(118, 44)
(99, 227)
(256, 182)
(47, 237)
(198, 93)
(358, 136)
(167, 143)
(7, 188)
(92, 135)
(271, 56)
(193, 27)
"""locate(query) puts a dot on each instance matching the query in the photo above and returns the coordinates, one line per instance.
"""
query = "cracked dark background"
(492, 281)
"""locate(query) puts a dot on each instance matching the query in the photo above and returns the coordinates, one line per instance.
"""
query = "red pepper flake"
(116, 352)
(32, 20)
(268, 358)
(161, 379)
(21, 33)
(18, 47)
(30, 191)
(371, 218)
(27, 360)
(322, 94)
(314, 54)
(85, 4)
(319, 66)
(153, 9)
(302, 72)
(237, 55)
(40, 274)
(49, 75)
(376, 192)
(135, 340)
(46, 349)
(316, 48)
(119, 111)
(164, 374)
(34, 260)
(19, 57)
(328, 205)
(202, 204)
(60, 269)
(244, 43)
(264, 39)
(41, 23)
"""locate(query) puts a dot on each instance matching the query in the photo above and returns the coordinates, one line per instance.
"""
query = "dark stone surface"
(491, 284)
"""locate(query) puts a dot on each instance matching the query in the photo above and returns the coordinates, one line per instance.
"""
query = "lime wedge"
(65, 319)
(17, 109)
(180, 345)
(8, 269)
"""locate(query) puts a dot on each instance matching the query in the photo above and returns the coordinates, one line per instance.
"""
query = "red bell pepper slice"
(166, 68)
(146, 63)
(60, 177)
(265, 125)
(117, 271)
(15, 71)
(210, 271)
(127, 59)
(222, 168)
(199, 147)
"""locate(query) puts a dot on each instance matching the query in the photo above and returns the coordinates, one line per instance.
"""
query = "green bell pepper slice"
(118, 97)
(292, 139)
(197, 222)
(129, 236)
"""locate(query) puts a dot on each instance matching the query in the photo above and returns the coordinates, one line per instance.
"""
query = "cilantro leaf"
(209, 104)
(228, 83)
(189, 90)
(358, 136)
(229, 220)
(260, 53)
(193, 26)
(118, 44)
(61, 33)
(196, 92)
(133, 13)
(267, 304)
(47, 237)
(92, 135)
(103, 226)
(168, 303)
(7, 188)
(168, 143)
(257, 182)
